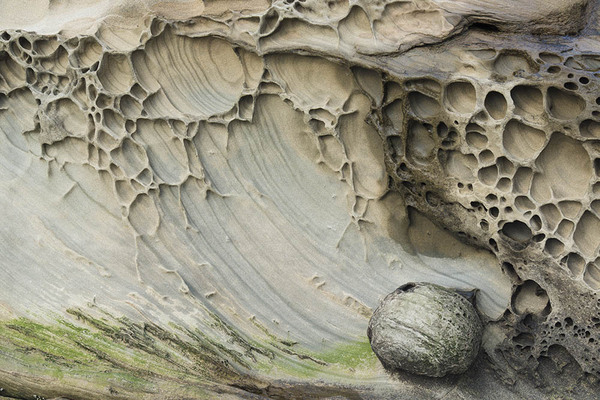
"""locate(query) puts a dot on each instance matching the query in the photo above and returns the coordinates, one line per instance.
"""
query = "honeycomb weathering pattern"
(284, 166)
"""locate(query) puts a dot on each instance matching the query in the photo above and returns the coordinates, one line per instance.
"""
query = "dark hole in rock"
(406, 287)
(554, 69)
(485, 27)
(517, 231)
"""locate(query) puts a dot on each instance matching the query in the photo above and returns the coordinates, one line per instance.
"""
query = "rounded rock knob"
(426, 329)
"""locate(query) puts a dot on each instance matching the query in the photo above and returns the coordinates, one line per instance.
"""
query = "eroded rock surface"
(251, 179)
(425, 329)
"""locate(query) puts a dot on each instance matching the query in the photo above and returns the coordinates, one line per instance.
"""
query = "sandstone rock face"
(425, 329)
(208, 199)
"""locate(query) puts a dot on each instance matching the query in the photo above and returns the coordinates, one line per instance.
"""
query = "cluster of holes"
(565, 329)
(94, 104)
(531, 304)
(44, 60)
(523, 152)
(522, 155)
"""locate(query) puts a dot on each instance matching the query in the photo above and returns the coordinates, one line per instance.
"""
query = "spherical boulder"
(425, 329)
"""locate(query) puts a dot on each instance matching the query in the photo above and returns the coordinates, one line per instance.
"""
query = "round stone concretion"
(425, 329)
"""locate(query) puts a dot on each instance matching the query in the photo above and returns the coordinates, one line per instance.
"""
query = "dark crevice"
(486, 27)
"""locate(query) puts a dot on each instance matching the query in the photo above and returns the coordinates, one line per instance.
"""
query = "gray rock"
(425, 329)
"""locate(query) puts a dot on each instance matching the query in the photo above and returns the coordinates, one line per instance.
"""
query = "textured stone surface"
(252, 177)
(425, 329)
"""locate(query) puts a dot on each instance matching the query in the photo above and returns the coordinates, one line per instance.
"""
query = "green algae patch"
(355, 355)
(345, 361)
(93, 355)
(345, 365)
(104, 357)
(44, 357)
(55, 343)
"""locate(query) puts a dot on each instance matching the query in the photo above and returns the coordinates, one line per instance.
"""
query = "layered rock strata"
(234, 189)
